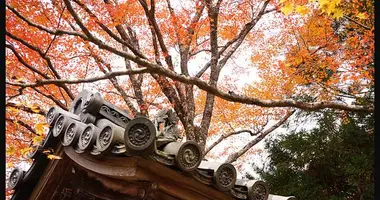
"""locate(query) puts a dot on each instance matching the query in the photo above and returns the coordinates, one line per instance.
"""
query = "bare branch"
(163, 82)
(193, 52)
(356, 22)
(155, 46)
(233, 157)
(55, 36)
(213, 13)
(150, 15)
(136, 80)
(238, 39)
(199, 51)
(241, 36)
(131, 38)
(225, 136)
(165, 85)
(183, 50)
(115, 83)
(129, 96)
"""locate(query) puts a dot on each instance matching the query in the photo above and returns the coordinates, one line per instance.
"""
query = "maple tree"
(148, 55)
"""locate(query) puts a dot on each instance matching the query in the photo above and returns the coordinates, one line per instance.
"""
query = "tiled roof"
(99, 128)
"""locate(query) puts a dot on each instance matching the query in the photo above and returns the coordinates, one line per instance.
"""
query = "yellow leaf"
(287, 9)
(338, 14)
(298, 61)
(35, 109)
(11, 150)
(40, 128)
(26, 150)
(282, 1)
(330, 8)
(52, 157)
(13, 109)
(335, 2)
(10, 165)
(361, 16)
(19, 80)
(37, 140)
(323, 3)
(302, 10)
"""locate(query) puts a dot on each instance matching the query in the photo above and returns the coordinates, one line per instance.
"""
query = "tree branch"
(158, 69)
(136, 81)
(107, 30)
(225, 136)
(169, 91)
(55, 36)
(239, 38)
(19, 93)
(233, 157)
(213, 12)
(51, 97)
(83, 80)
(25, 108)
(46, 58)
(115, 83)
(153, 68)
(362, 25)
(48, 30)
(25, 125)
(163, 82)
(150, 15)
(23, 62)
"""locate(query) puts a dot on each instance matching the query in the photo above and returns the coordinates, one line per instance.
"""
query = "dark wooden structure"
(84, 176)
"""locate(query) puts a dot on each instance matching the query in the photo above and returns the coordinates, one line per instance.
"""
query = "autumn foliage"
(223, 66)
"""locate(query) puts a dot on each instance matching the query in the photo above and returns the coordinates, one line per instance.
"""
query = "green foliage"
(334, 161)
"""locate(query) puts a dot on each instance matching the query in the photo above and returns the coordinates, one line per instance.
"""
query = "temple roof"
(107, 154)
